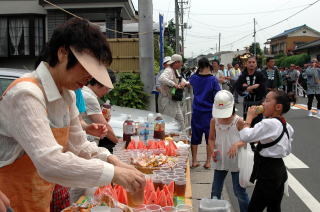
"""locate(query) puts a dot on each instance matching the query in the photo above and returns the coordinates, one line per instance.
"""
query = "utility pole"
(182, 30)
(219, 41)
(146, 51)
(177, 26)
(254, 36)
(216, 47)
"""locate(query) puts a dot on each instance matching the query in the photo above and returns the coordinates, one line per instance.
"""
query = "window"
(21, 36)
(4, 83)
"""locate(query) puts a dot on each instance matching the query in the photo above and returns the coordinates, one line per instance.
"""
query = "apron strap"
(15, 82)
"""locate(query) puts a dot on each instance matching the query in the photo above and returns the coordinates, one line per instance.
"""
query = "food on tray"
(154, 161)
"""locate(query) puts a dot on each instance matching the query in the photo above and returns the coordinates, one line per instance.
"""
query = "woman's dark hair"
(268, 59)
(81, 35)
(112, 76)
(203, 63)
(253, 57)
(217, 61)
(285, 99)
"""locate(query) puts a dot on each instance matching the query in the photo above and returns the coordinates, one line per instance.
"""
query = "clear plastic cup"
(153, 208)
(184, 208)
(140, 208)
(157, 172)
(100, 209)
(157, 182)
(180, 186)
(165, 169)
(116, 210)
(135, 199)
(180, 175)
(178, 169)
(162, 174)
(168, 209)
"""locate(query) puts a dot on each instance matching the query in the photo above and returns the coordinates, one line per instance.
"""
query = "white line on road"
(292, 162)
(295, 108)
(307, 198)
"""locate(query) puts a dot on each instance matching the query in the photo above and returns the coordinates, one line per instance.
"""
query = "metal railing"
(186, 106)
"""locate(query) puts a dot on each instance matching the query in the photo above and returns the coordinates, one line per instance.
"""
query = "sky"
(234, 20)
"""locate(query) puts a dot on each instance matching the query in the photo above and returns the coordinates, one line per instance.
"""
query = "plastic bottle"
(159, 127)
(106, 110)
(128, 130)
(150, 121)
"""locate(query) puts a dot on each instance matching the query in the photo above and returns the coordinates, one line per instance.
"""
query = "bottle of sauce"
(128, 130)
(159, 127)
(106, 110)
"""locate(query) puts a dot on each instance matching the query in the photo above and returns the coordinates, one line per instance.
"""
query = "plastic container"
(180, 186)
(135, 199)
(128, 130)
(100, 209)
(184, 208)
(214, 205)
(168, 209)
(150, 121)
(159, 127)
(153, 208)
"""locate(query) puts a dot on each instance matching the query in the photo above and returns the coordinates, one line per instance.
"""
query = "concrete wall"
(228, 57)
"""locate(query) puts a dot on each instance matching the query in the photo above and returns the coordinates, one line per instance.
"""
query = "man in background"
(272, 75)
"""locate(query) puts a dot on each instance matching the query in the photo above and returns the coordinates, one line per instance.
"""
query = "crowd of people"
(216, 91)
(58, 139)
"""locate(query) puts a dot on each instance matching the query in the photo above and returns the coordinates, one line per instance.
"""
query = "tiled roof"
(287, 32)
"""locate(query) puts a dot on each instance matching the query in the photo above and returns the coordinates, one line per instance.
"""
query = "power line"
(272, 25)
(245, 13)
(296, 13)
(232, 26)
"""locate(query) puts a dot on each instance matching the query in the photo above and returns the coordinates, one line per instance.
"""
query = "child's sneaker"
(309, 113)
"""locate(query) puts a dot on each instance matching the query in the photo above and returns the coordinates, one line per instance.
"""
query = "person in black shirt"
(251, 85)
(272, 75)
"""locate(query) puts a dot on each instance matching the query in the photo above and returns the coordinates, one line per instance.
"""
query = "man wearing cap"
(157, 88)
(171, 78)
(42, 142)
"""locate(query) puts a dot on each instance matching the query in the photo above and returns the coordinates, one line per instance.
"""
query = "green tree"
(128, 92)
(170, 35)
(258, 49)
(298, 60)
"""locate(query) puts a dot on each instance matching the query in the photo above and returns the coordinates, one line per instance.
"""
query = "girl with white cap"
(225, 138)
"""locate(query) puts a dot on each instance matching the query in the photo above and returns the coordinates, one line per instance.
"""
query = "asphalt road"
(304, 187)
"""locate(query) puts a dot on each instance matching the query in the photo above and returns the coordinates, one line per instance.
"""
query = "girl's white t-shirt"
(267, 131)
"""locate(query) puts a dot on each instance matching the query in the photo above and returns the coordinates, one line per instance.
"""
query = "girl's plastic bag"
(245, 163)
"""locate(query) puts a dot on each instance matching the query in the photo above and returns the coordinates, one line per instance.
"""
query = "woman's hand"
(98, 130)
(4, 202)
(131, 180)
